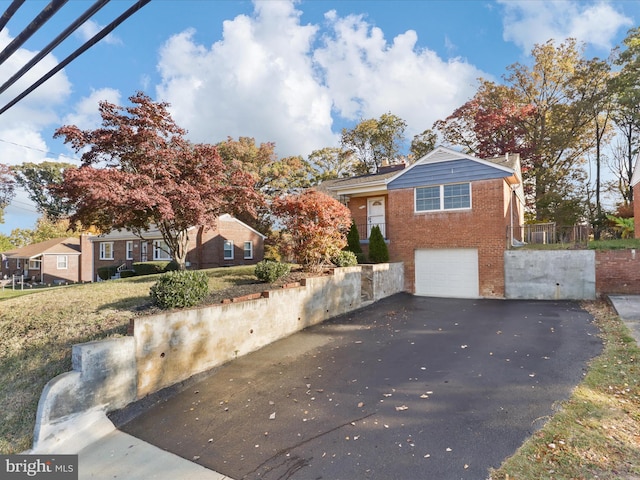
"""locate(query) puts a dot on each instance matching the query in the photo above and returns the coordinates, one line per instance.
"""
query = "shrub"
(270, 271)
(150, 268)
(353, 240)
(378, 251)
(180, 289)
(345, 259)
(127, 273)
(105, 273)
(361, 257)
(316, 224)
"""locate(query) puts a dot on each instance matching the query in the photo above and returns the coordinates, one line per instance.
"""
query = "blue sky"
(291, 72)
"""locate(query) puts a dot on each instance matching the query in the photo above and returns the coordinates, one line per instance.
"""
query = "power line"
(53, 44)
(41, 150)
(8, 13)
(91, 42)
(42, 18)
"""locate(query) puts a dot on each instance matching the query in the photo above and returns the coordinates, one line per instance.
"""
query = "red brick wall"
(483, 227)
(211, 242)
(52, 274)
(618, 271)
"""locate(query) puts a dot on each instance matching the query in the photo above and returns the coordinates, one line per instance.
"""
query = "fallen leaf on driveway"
(272, 416)
(402, 408)
(360, 404)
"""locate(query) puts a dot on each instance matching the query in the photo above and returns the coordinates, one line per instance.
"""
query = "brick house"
(635, 184)
(230, 242)
(49, 262)
(448, 217)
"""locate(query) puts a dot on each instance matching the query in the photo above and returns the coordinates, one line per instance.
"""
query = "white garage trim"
(447, 272)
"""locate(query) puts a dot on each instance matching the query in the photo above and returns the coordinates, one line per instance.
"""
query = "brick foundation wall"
(618, 271)
(483, 227)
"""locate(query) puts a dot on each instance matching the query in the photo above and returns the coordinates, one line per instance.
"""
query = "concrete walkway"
(628, 308)
(121, 456)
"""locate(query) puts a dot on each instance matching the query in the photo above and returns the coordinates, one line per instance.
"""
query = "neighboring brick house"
(448, 217)
(231, 242)
(49, 262)
(635, 184)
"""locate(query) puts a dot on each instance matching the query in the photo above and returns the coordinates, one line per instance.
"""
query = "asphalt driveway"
(407, 388)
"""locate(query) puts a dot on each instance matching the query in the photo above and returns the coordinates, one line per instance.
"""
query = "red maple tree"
(317, 225)
(139, 172)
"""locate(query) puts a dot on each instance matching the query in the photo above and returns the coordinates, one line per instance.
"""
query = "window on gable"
(62, 262)
(443, 197)
(248, 250)
(228, 249)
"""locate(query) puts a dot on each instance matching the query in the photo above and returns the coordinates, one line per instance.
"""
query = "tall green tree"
(374, 141)
(593, 81)
(422, 144)
(40, 180)
(560, 131)
(7, 188)
(273, 176)
(330, 162)
(625, 87)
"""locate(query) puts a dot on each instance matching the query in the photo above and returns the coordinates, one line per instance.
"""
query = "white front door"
(375, 215)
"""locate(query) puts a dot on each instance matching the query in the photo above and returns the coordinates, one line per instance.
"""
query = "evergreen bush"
(378, 251)
(180, 289)
(270, 271)
(150, 268)
(353, 240)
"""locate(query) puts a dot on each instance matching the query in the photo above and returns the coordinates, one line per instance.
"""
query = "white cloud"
(257, 81)
(527, 23)
(367, 76)
(86, 115)
(36, 109)
(274, 79)
(87, 30)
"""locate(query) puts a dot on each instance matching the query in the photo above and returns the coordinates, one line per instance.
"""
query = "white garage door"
(447, 272)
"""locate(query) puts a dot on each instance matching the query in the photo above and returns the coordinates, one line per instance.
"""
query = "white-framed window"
(18, 264)
(129, 249)
(106, 250)
(228, 249)
(62, 262)
(160, 250)
(34, 264)
(456, 196)
(248, 250)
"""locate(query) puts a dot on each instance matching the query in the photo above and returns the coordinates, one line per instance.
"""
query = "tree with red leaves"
(138, 171)
(317, 225)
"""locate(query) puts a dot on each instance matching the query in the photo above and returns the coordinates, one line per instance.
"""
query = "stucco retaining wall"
(167, 348)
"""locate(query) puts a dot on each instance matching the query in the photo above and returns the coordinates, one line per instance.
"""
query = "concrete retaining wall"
(550, 275)
(167, 348)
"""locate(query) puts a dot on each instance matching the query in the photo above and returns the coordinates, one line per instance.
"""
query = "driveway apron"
(407, 388)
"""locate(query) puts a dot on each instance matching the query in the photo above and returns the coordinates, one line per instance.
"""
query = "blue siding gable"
(438, 173)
